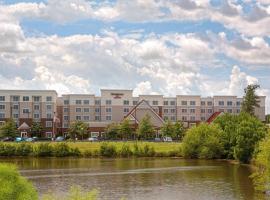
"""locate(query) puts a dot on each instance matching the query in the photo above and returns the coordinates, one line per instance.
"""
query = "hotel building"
(28, 106)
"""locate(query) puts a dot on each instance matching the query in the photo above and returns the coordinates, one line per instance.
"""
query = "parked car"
(7, 139)
(59, 139)
(29, 139)
(92, 139)
(167, 139)
(157, 139)
(19, 139)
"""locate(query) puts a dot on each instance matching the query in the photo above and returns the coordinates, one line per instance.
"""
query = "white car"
(92, 139)
(167, 139)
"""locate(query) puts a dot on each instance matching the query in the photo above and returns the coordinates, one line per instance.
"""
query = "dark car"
(60, 139)
(7, 139)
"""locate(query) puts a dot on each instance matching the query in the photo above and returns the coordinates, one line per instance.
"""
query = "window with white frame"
(172, 110)
(78, 102)
(2, 98)
(209, 110)
(26, 110)
(2, 107)
(166, 110)
(238, 103)
(66, 118)
(15, 98)
(2, 115)
(184, 110)
(15, 106)
(97, 110)
(49, 98)
(86, 110)
(36, 98)
(192, 110)
(49, 107)
(66, 102)
(202, 103)
(165, 103)
(229, 103)
(126, 110)
(209, 103)
(78, 110)
(192, 103)
(49, 124)
(86, 118)
(126, 102)
(108, 110)
(49, 115)
(97, 102)
(15, 115)
(97, 118)
(36, 115)
(135, 103)
(202, 110)
(173, 118)
(183, 103)
(78, 117)
(66, 110)
(36, 107)
(25, 98)
(221, 103)
(108, 118)
(155, 103)
(86, 102)
(192, 118)
(108, 102)
(184, 118)
(172, 103)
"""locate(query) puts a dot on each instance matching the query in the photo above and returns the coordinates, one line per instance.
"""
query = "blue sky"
(152, 46)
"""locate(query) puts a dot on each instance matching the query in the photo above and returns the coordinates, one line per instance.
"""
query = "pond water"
(140, 179)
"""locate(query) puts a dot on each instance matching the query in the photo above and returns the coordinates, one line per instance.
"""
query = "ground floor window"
(48, 134)
(94, 134)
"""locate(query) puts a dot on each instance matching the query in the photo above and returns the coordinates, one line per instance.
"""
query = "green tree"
(78, 129)
(14, 186)
(9, 129)
(250, 99)
(146, 129)
(167, 129)
(203, 141)
(267, 119)
(36, 129)
(125, 129)
(178, 130)
(112, 131)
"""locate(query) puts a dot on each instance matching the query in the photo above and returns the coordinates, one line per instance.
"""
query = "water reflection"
(141, 178)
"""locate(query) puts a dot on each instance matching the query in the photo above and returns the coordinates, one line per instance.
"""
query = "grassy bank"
(89, 149)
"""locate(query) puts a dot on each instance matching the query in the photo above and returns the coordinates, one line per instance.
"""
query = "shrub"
(125, 151)
(87, 153)
(14, 186)
(61, 150)
(107, 150)
(44, 149)
(136, 150)
(24, 149)
(203, 141)
(75, 151)
(7, 149)
(148, 151)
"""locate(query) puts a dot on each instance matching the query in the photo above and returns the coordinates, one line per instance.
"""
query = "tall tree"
(145, 129)
(9, 129)
(178, 130)
(250, 99)
(112, 131)
(78, 129)
(125, 129)
(167, 129)
(36, 129)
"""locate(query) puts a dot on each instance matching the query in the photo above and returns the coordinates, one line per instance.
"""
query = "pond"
(140, 179)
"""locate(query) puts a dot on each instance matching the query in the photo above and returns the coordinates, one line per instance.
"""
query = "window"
(25, 98)
(49, 107)
(2, 107)
(97, 110)
(173, 118)
(2, 98)
(49, 98)
(108, 118)
(97, 118)
(86, 110)
(202, 110)
(66, 102)
(229, 110)
(184, 118)
(65, 125)
(209, 111)
(36, 107)
(192, 110)
(165, 103)
(78, 117)
(184, 103)
(66, 110)
(192, 103)
(229, 103)
(78, 110)
(108, 102)
(155, 103)
(49, 115)
(108, 110)
(221, 103)
(238, 103)
(209, 103)
(166, 110)
(48, 123)
(97, 102)
(16, 98)
(78, 102)
(86, 118)
(172, 103)
(126, 110)
(66, 118)
(86, 102)
(202, 103)
(135, 103)
(166, 118)
(26, 111)
(238, 111)
(36, 99)
(126, 102)
(15, 116)
(173, 110)
(36, 116)
(15, 107)
(184, 110)
(202, 118)
(192, 118)
(2, 115)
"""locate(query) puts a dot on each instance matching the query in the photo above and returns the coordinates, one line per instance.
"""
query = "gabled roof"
(24, 126)
(132, 114)
(213, 117)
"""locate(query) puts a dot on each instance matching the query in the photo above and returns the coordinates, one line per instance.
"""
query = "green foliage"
(44, 149)
(75, 193)
(36, 129)
(125, 129)
(7, 149)
(108, 150)
(112, 131)
(203, 141)
(143, 151)
(24, 149)
(9, 129)
(250, 99)
(146, 129)
(167, 129)
(267, 119)
(179, 130)
(125, 151)
(78, 129)
(14, 186)
(241, 135)
(62, 150)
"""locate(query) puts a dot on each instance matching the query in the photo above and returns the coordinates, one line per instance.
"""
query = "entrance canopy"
(24, 126)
